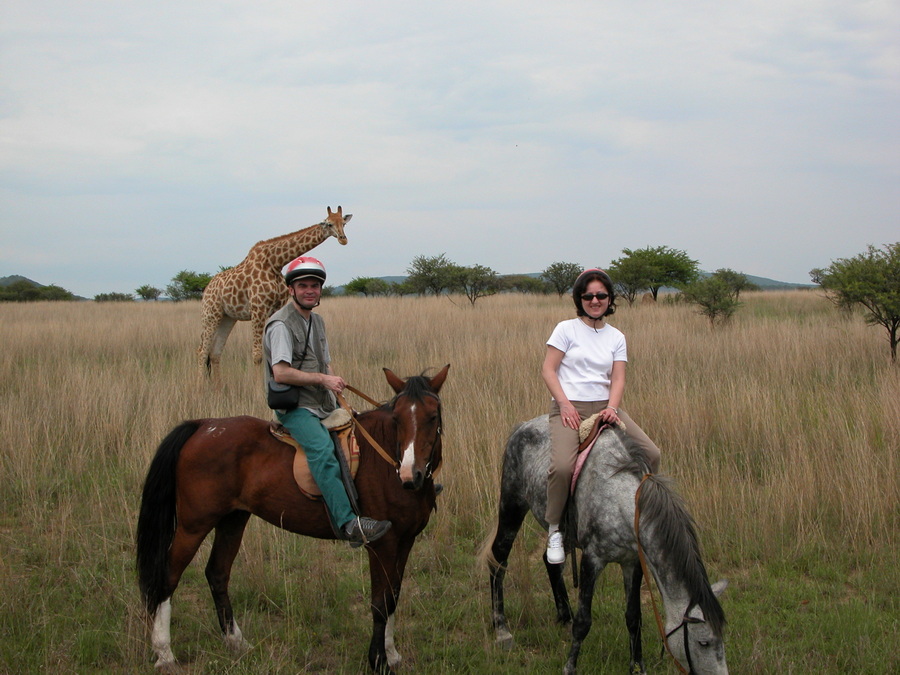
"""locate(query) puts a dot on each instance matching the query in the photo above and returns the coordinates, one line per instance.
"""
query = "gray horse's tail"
(485, 557)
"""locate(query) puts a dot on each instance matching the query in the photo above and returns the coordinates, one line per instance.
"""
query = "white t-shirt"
(588, 357)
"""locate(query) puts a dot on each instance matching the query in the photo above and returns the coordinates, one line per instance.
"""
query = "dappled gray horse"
(604, 508)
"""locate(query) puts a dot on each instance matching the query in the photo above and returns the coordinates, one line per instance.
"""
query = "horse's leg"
(560, 594)
(184, 547)
(229, 533)
(590, 570)
(387, 563)
(632, 576)
(509, 520)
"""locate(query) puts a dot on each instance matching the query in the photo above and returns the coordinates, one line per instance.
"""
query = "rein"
(363, 396)
(381, 451)
(359, 427)
(659, 623)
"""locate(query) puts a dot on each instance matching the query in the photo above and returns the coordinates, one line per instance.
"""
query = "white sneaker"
(556, 554)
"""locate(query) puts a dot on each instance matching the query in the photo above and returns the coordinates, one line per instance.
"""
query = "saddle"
(340, 425)
(587, 435)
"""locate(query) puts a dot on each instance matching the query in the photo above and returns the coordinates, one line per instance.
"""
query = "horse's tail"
(662, 506)
(485, 557)
(157, 519)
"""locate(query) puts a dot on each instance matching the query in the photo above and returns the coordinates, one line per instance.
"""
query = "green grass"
(781, 429)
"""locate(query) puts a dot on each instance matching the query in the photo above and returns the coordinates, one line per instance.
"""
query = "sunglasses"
(587, 297)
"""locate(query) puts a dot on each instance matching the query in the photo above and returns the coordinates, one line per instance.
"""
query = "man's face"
(306, 292)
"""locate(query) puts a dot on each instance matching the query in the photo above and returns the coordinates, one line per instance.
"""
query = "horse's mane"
(662, 506)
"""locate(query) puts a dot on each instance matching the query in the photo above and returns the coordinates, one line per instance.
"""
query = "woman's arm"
(616, 392)
(552, 359)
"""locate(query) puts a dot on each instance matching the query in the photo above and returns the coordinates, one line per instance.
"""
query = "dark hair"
(581, 283)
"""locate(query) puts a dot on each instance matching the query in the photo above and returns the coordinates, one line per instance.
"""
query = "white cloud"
(503, 133)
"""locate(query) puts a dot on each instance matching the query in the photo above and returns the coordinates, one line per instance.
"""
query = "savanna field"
(781, 429)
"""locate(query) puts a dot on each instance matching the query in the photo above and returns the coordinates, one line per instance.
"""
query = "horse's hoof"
(237, 646)
(169, 668)
(506, 641)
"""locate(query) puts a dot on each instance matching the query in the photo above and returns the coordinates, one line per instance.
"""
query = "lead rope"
(659, 623)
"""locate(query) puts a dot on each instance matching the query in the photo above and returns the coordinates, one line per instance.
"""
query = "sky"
(142, 138)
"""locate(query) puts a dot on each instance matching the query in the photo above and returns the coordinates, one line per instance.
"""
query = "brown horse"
(212, 474)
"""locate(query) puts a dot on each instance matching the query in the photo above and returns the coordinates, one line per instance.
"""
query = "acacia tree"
(434, 274)
(736, 281)
(476, 281)
(187, 285)
(662, 266)
(114, 297)
(871, 280)
(148, 292)
(630, 276)
(716, 298)
(522, 283)
(367, 286)
(561, 276)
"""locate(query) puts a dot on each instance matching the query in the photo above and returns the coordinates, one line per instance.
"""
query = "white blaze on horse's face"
(408, 453)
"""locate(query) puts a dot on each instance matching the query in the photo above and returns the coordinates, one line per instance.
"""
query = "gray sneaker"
(362, 530)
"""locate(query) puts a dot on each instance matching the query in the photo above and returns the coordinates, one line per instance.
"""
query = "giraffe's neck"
(279, 251)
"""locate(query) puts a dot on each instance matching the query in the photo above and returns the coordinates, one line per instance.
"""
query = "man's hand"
(333, 383)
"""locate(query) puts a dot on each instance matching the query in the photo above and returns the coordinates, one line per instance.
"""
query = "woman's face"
(594, 307)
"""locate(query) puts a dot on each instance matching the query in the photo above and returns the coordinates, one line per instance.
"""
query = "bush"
(114, 297)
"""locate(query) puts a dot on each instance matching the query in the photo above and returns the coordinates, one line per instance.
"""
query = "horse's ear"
(438, 380)
(396, 383)
(719, 587)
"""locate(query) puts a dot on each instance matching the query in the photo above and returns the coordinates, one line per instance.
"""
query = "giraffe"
(254, 289)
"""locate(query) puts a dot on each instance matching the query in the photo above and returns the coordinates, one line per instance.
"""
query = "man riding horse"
(298, 360)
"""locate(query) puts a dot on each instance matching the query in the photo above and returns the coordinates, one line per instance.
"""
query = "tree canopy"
(188, 285)
(654, 268)
(716, 295)
(430, 274)
(148, 292)
(367, 286)
(561, 276)
(476, 281)
(870, 280)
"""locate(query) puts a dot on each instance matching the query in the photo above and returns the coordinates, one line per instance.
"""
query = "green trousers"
(308, 431)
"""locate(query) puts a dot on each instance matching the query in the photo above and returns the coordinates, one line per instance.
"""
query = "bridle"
(429, 470)
(685, 620)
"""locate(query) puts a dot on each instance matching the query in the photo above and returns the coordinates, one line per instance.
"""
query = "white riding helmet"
(302, 267)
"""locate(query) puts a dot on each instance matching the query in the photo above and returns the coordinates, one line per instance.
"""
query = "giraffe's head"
(334, 225)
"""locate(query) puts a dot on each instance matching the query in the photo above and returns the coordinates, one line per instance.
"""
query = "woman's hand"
(609, 415)
(570, 417)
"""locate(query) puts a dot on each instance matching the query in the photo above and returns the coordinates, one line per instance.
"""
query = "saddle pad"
(302, 474)
(587, 444)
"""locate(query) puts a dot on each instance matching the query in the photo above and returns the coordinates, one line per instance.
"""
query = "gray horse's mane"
(663, 508)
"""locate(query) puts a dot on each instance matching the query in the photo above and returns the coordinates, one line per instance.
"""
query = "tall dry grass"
(782, 429)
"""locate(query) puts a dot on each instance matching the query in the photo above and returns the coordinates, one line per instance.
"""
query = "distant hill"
(6, 281)
(772, 285)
